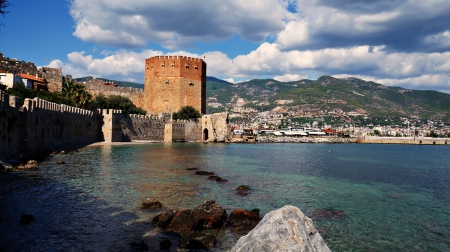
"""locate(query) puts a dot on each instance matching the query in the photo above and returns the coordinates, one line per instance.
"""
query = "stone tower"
(172, 82)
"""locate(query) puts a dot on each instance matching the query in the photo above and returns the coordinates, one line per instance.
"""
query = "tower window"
(196, 66)
(173, 64)
(162, 64)
(167, 81)
(187, 65)
(191, 83)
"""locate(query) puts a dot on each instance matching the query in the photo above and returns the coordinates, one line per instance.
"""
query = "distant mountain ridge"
(325, 94)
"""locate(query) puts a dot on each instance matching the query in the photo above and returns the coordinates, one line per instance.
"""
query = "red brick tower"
(172, 82)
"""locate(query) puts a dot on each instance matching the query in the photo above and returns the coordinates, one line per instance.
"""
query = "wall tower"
(172, 82)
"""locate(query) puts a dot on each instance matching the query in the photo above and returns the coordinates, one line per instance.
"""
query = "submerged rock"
(242, 190)
(285, 229)
(62, 152)
(321, 214)
(198, 241)
(151, 205)
(204, 173)
(192, 169)
(218, 179)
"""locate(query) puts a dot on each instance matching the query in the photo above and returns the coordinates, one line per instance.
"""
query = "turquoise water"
(396, 197)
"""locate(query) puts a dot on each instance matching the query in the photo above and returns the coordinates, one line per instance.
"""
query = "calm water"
(396, 197)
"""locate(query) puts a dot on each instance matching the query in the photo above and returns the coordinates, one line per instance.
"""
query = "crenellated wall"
(118, 127)
(39, 125)
(187, 130)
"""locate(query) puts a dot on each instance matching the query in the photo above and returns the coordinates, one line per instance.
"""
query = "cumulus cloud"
(394, 42)
(400, 25)
(176, 24)
(419, 70)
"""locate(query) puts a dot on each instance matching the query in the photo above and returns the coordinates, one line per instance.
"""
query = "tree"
(75, 94)
(116, 102)
(3, 5)
(186, 112)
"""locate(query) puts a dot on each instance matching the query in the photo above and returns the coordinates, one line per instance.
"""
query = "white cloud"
(230, 80)
(420, 70)
(176, 24)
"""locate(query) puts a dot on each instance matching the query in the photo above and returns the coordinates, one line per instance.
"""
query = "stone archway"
(205, 135)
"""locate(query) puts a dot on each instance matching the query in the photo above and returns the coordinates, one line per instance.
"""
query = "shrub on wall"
(116, 102)
(186, 112)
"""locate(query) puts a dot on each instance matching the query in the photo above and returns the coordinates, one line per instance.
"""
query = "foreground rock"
(241, 220)
(30, 165)
(207, 215)
(285, 229)
(151, 205)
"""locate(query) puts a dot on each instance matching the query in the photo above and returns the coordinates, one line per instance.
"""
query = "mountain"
(328, 94)
(324, 94)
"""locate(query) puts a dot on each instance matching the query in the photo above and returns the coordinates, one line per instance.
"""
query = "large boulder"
(285, 229)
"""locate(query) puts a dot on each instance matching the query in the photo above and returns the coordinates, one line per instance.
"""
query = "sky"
(403, 43)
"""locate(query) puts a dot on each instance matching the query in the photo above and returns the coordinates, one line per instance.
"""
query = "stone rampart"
(186, 130)
(216, 127)
(39, 125)
(119, 127)
(96, 87)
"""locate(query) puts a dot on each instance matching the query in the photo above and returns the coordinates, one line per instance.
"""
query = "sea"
(393, 197)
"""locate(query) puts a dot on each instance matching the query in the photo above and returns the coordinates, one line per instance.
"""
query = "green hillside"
(324, 94)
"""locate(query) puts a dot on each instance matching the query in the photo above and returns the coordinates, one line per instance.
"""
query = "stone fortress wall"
(39, 125)
(118, 127)
(136, 95)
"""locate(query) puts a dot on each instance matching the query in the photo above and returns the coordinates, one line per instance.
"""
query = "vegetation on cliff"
(186, 113)
(116, 102)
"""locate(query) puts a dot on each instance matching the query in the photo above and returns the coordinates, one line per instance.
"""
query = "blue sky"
(394, 42)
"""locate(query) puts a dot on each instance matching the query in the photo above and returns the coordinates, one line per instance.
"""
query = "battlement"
(33, 105)
(176, 57)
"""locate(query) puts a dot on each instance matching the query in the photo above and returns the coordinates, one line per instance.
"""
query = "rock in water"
(243, 219)
(151, 205)
(285, 229)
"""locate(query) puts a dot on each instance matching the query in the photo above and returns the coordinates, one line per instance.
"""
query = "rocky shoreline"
(284, 229)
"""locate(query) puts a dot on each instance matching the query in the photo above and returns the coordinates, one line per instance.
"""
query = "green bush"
(23, 93)
(116, 102)
(186, 112)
